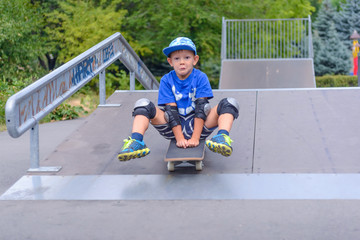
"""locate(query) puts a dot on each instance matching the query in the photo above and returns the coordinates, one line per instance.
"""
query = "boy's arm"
(198, 121)
(198, 127)
(179, 136)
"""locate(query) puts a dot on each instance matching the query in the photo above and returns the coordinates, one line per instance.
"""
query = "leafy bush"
(4, 94)
(64, 112)
(337, 81)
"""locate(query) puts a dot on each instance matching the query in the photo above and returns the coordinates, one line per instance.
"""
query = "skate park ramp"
(295, 163)
(293, 174)
(266, 54)
(267, 73)
(278, 131)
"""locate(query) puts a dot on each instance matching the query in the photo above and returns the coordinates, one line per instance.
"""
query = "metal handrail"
(34, 102)
(26, 108)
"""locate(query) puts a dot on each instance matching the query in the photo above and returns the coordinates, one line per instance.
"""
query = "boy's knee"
(228, 105)
(144, 107)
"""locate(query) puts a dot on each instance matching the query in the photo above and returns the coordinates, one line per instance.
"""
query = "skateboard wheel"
(171, 166)
(199, 165)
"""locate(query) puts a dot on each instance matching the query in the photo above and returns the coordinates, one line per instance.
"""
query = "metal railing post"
(310, 39)
(223, 39)
(34, 147)
(102, 91)
(34, 153)
(102, 88)
(132, 81)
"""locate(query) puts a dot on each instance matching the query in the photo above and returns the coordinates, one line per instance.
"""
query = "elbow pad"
(172, 115)
(202, 108)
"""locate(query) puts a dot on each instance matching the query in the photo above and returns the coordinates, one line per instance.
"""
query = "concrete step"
(187, 187)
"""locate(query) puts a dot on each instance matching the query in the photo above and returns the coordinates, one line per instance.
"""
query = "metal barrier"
(26, 108)
(266, 39)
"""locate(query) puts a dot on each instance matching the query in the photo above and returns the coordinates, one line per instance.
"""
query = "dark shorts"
(187, 124)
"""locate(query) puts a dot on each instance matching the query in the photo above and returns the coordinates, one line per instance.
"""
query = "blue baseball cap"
(180, 43)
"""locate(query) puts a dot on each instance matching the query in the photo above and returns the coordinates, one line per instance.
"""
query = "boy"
(186, 115)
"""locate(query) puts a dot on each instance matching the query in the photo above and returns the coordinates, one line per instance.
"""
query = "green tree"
(330, 54)
(48, 60)
(273, 9)
(78, 25)
(326, 18)
(155, 24)
(332, 57)
(337, 4)
(348, 20)
(20, 45)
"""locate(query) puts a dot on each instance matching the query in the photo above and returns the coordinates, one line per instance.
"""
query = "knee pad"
(172, 115)
(144, 107)
(228, 105)
(202, 108)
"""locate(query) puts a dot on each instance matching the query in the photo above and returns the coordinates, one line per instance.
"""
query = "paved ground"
(180, 219)
(15, 152)
(297, 132)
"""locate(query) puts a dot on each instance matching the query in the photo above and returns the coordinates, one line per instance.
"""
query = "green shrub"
(336, 81)
(4, 95)
(63, 112)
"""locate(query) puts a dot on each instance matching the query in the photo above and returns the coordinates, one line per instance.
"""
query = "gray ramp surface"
(93, 148)
(187, 187)
(296, 150)
(278, 131)
(307, 131)
(267, 73)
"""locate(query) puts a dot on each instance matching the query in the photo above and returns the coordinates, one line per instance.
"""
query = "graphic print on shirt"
(191, 108)
(184, 107)
(177, 94)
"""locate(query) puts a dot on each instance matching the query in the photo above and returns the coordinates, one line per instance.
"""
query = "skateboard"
(176, 156)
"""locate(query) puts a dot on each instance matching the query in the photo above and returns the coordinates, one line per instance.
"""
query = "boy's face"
(183, 62)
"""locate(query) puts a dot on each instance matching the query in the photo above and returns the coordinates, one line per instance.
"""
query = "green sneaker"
(220, 143)
(133, 149)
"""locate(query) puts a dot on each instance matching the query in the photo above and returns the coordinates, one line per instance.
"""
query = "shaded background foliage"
(37, 36)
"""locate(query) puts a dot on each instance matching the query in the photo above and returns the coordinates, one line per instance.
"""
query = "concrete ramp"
(267, 73)
(203, 187)
(295, 163)
(277, 131)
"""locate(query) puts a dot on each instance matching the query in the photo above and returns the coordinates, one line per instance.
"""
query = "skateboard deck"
(194, 156)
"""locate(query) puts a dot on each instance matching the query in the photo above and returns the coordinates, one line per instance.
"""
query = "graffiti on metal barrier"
(83, 70)
(108, 53)
(61, 84)
(40, 99)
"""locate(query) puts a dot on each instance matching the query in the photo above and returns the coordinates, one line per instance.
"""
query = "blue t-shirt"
(184, 92)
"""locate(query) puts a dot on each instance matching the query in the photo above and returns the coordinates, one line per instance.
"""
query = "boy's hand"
(182, 143)
(193, 142)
